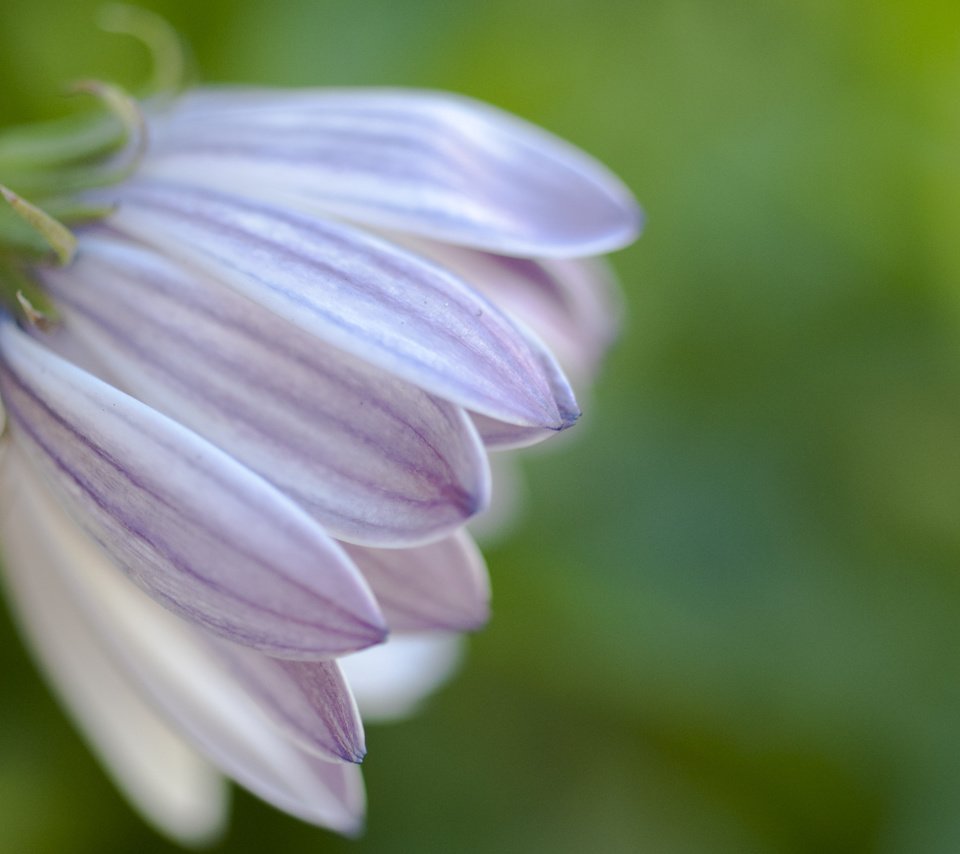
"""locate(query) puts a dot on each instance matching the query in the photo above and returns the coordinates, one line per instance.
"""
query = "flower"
(250, 442)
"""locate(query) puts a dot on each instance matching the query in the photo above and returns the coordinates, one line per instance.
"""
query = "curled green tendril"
(170, 58)
(127, 111)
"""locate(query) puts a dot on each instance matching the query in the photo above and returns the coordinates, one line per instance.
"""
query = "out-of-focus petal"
(443, 585)
(392, 680)
(500, 436)
(430, 163)
(137, 643)
(4, 434)
(202, 534)
(361, 294)
(374, 459)
(164, 778)
(509, 494)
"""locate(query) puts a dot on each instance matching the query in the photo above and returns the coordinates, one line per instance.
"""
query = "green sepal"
(16, 287)
(58, 143)
(55, 234)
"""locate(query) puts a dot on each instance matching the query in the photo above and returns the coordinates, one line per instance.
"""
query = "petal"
(443, 585)
(367, 297)
(174, 788)
(500, 435)
(435, 164)
(573, 304)
(509, 493)
(199, 532)
(392, 680)
(372, 458)
(168, 663)
(309, 701)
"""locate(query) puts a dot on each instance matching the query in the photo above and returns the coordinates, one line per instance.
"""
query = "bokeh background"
(729, 619)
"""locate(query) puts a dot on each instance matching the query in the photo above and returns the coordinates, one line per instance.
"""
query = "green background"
(729, 619)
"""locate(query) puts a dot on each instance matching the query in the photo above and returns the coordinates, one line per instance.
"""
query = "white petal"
(172, 666)
(173, 787)
(509, 497)
(443, 585)
(363, 295)
(199, 532)
(374, 459)
(435, 164)
(392, 680)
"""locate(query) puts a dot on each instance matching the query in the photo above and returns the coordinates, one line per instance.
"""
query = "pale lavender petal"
(440, 165)
(443, 585)
(392, 680)
(163, 777)
(358, 293)
(374, 459)
(199, 532)
(573, 304)
(501, 435)
(309, 701)
(136, 643)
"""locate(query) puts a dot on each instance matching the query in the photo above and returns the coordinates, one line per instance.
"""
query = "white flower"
(280, 362)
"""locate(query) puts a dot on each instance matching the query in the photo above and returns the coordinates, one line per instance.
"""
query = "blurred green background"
(729, 620)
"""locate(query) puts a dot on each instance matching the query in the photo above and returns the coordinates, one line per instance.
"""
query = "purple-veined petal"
(390, 681)
(443, 585)
(502, 435)
(440, 165)
(356, 292)
(573, 304)
(175, 789)
(374, 459)
(200, 533)
(308, 701)
(137, 644)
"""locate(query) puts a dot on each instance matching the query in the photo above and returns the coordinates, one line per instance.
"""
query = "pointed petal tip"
(462, 612)
(562, 414)
(636, 222)
(568, 414)
(467, 502)
(621, 224)
(356, 829)
(570, 417)
(371, 632)
(627, 226)
(349, 753)
(472, 620)
(343, 752)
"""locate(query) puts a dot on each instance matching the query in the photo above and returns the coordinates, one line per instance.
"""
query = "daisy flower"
(250, 395)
